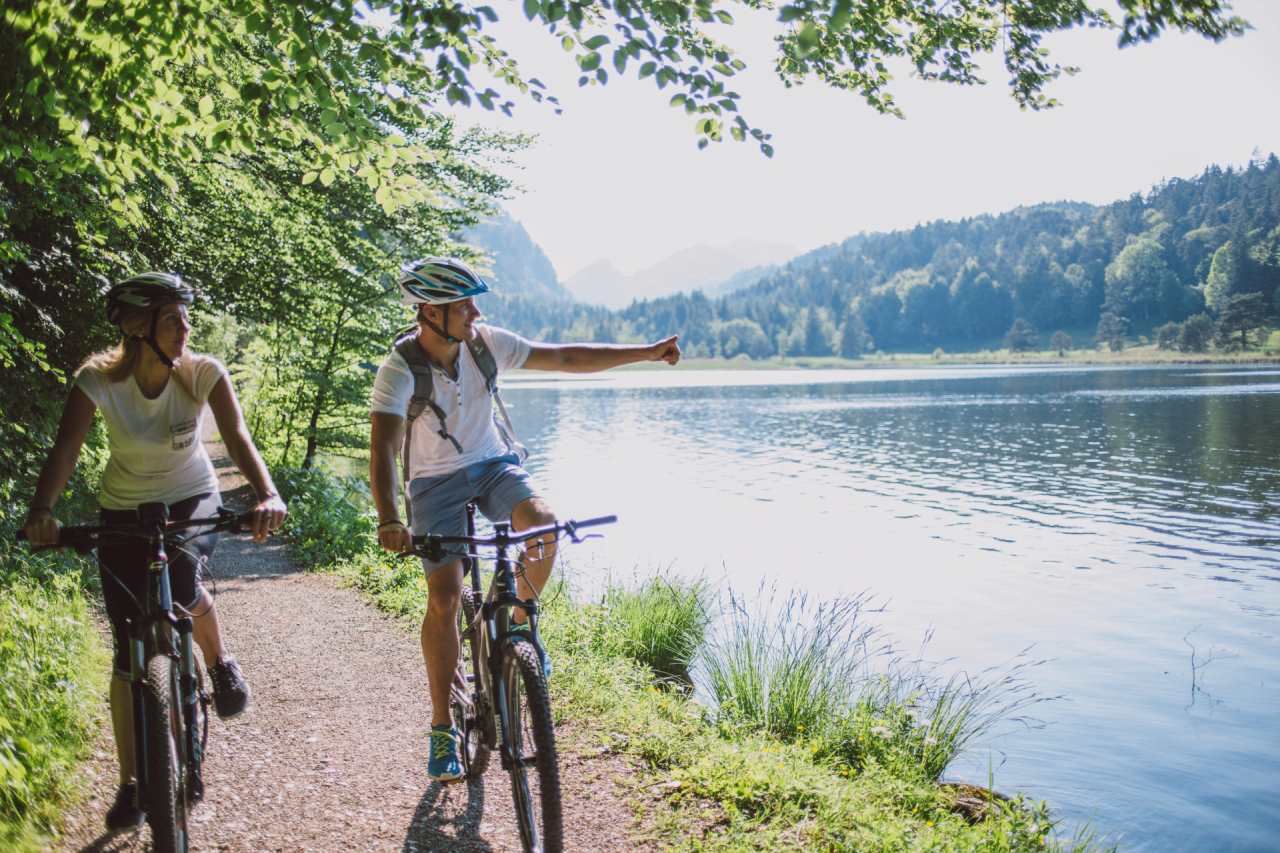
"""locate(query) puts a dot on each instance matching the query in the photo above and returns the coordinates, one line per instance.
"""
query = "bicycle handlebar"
(86, 537)
(505, 540)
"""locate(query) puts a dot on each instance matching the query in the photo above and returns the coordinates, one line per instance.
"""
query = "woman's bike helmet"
(439, 281)
(148, 291)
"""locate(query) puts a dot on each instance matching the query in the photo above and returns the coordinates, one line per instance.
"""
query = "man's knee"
(444, 589)
(533, 512)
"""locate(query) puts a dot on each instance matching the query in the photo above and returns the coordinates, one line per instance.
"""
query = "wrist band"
(392, 521)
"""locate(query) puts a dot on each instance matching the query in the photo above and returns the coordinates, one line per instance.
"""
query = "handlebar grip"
(595, 522)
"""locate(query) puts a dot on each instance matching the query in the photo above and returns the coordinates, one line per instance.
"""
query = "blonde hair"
(119, 362)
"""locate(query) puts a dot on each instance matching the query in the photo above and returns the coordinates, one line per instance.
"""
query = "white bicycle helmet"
(439, 281)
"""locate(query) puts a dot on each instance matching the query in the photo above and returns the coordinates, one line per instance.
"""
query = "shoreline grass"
(759, 769)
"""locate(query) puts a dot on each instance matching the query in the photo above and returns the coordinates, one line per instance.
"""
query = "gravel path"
(332, 755)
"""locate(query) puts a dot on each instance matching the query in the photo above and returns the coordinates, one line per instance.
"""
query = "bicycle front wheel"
(531, 746)
(470, 707)
(165, 805)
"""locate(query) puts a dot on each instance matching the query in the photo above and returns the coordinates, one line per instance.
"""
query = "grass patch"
(661, 624)
(53, 674)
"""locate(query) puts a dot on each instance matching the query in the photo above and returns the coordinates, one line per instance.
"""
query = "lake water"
(1122, 522)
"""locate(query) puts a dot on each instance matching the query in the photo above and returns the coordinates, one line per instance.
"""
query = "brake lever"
(571, 529)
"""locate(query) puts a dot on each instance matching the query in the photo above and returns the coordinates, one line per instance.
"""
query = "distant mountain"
(600, 284)
(519, 267)
(739, 280)
(695, 268)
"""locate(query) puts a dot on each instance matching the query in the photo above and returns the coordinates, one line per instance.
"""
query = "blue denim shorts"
(439, 504)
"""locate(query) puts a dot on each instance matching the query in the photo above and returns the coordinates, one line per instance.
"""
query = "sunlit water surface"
(1118, 521)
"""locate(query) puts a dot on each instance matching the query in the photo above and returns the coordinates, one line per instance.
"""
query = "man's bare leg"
(440, 637)
(540, 555)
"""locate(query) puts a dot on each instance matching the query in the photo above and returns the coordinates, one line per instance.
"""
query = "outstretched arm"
(270, 511)
(588, 358)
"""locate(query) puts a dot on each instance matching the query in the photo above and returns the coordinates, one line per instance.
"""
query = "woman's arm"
(77, 416)
(270, 511)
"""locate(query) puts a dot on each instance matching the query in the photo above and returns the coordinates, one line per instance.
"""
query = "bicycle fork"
(195, 710)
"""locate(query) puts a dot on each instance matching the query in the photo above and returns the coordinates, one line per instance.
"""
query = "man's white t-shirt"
(466, 403)
(156, 452)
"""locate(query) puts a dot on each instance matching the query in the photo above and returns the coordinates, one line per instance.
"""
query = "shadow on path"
(443, 822)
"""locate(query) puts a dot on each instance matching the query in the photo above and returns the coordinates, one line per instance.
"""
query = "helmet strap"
(439, 331)
(154, 344)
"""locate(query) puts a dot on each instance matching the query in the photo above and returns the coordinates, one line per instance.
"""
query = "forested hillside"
(1204, 250)
(515, 263)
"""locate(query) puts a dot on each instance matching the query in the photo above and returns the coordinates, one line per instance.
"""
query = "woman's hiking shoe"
(442, 763)
(230, 690)
(124, 814)
(523, 628)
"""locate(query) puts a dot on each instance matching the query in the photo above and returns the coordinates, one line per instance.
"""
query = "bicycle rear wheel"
(531, 744)
(166, 802)
(470, 709)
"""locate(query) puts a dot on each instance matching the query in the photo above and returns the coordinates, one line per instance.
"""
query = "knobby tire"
(165, 806)
(531, 736)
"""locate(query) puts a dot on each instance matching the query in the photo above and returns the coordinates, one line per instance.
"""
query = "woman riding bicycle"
(152, 393)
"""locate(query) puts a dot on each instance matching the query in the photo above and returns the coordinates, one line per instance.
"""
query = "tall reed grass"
(819, 674)
(661, 624)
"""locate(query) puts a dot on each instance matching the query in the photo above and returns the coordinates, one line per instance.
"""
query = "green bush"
(662, 624)
(329, 517)
(53, 671)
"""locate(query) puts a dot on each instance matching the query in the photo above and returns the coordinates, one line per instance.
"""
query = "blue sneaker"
(523, 628)
(443, 764)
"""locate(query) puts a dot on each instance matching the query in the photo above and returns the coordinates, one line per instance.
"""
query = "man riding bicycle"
(441, 381)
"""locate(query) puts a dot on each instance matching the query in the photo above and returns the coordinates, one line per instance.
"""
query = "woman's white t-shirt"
(156, 452)
(466, 403)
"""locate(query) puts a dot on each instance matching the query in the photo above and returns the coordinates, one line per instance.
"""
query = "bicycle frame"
(494, 616)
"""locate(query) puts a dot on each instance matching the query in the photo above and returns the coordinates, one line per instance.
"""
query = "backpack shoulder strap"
(485, 361)
(423, 391)
(488, 365)
(423, 386)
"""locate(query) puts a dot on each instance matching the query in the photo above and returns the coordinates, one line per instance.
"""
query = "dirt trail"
(332, 755)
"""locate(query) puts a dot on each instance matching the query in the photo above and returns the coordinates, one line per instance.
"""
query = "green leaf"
(310, 177)
(590, 62)
(790, 13)
(647, 69)
(841, 15)
(531, 9)
(596, 42)
(327, 176)
(206, 105)
(807, 38)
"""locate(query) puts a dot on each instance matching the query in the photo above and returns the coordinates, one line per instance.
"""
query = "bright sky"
(618, 176)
